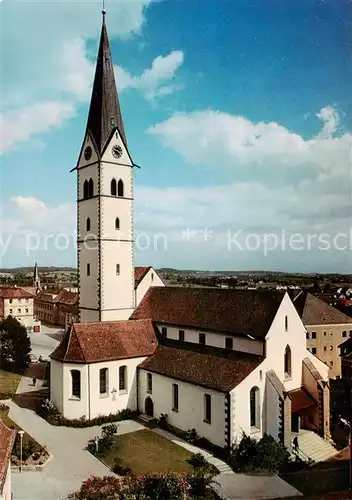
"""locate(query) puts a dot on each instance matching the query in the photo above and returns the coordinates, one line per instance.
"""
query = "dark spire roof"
(36, 273)
(104, 112)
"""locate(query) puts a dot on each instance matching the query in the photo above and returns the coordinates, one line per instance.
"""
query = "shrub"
(162, 421)
(263, 455)
(3, 407)
(198, 461)
(109, 430)
(121, 470)
(51, 414)
(191, 436)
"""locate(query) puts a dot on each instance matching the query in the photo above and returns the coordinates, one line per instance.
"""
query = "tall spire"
(104, 113)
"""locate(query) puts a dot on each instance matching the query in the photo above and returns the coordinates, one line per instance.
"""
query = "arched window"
(120, 188)
(254, 405)
(76, 383)
(117, 223)
(149, 383)
(113, 188)
(88, 224)
(103, 381)
(286, 323)
(123, 378)
(287, 361)
(85, 190)
(90, 188)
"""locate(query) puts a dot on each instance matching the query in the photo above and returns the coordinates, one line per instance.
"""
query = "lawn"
(145, 451)
(8, 384)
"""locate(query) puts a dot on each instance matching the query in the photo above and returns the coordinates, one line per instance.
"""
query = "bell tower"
(105, 203)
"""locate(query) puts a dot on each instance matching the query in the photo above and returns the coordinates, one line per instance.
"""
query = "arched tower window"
(113, 187)
(90, 188)
(76, 383)
(120, 188)
(254, 405)
(85, 190)
(286, 323)
(88, 224)
(117, 223)
(287, 361)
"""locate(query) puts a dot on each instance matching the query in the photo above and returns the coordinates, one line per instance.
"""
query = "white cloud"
(20, 125)
(260, 152)
(152, 81)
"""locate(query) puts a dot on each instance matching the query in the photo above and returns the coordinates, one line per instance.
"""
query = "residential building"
(221, 361)
(7, 439)
(346, 358)
(326, 328)
(19, 304)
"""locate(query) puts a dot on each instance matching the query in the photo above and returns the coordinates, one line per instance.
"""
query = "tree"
(15, 344)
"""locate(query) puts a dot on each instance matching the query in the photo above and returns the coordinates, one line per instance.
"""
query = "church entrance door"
(149, 407)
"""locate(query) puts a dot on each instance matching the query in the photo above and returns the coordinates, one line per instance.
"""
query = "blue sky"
(239, 113)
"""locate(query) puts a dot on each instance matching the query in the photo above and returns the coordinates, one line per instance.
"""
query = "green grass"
(145, 451)
(320, 479)
(8, 383)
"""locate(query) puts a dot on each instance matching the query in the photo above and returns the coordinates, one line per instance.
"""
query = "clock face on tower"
(88, 153)
(116, 151)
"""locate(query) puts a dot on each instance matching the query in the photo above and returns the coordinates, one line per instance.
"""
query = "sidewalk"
(233, 486)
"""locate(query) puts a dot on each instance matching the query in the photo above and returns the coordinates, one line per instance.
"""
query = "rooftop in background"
(14, 293)
(314, 311)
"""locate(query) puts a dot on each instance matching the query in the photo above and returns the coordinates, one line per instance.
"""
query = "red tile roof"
(239, 312)
(314, 311)
(301, 399)
(67, 297)
(7, 438)
(94, 342)
(208, 367)
(139, 273)
(14, 293)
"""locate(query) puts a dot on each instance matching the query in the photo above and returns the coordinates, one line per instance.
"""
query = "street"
(44, 343)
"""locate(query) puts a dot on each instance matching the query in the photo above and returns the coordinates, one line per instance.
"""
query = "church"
(220, 361)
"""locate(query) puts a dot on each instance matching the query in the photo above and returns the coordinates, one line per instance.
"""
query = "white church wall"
(277, 340)
(191, 406)
(149, 280)
(114, 400)
(215, 339)
(57, 384)
(74, 407)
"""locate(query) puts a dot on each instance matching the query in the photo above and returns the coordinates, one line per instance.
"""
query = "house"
(221, 361)
(346, 358)
(7, 439)
(18, 303)
(326, 328)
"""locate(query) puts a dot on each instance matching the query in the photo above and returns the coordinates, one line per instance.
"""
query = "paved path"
(71, 463)
(233, 486)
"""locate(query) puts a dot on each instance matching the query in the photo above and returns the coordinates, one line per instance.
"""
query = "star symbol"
(187, 234)
(206, 234)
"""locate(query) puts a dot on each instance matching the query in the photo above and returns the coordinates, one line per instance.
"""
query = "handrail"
(319, 431)
(297, 451)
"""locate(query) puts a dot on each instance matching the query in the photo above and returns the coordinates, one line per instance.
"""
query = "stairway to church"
(314, 446)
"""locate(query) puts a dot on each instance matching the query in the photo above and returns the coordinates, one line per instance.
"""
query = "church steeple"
(36, 279)
(104, 113)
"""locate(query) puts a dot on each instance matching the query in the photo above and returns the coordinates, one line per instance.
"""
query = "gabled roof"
(14, 293)
(139, 273)
(94, 342)
(104, 113)
(314, 311)
(240, 312)
(205, 366)
(67, 297)
(7, 438)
